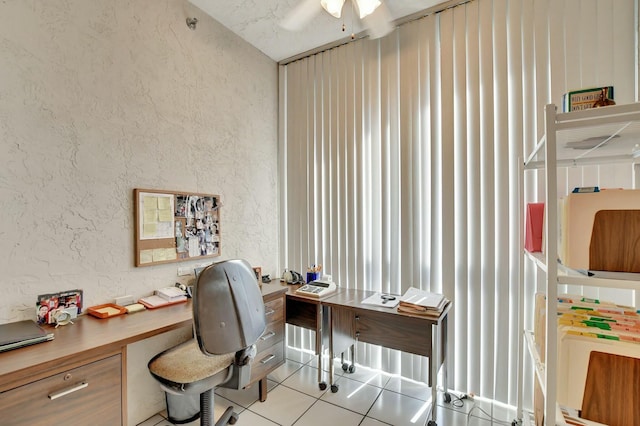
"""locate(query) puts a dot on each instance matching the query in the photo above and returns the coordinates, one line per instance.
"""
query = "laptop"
(18, 334)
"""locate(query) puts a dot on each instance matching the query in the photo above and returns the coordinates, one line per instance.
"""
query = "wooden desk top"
(91, 338)
(352, 298)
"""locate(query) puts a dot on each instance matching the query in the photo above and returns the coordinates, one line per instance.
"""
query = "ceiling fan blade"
(301, 15)
(379, 23)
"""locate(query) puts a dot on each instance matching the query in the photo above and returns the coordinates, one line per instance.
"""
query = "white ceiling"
(258, 22)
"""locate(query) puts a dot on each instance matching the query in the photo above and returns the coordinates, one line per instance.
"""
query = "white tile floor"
(365, 397)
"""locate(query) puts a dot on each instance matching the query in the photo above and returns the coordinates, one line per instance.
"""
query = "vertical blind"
(402, 163)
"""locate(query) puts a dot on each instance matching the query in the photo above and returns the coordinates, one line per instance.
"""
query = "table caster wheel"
(233, 419)
(334, 388)
(345, 366)
(322, 385)
(432, 423)
(352, 368)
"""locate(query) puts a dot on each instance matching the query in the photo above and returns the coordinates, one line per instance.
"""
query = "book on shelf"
(421, 302)
(578, 100)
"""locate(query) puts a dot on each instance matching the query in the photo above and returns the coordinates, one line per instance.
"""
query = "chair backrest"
(228, 310)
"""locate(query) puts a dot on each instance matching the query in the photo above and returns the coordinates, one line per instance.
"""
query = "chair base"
(229, 417)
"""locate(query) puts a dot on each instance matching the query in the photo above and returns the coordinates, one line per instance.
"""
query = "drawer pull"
(268, 336)
(267, 359)
(269, 312)
(67, 391)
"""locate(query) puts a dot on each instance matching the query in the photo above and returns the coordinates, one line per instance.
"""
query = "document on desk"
(422, 302)
(382, 300)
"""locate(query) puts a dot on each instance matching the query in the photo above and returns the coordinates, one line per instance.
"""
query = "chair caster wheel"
(352, 368)
(334, 388)
(322, 385)
(345, 366)
(233, 419)
(432, 423)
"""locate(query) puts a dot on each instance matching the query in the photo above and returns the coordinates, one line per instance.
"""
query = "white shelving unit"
(579, 138)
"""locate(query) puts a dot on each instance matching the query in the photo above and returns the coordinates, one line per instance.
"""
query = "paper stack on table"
(421, 302)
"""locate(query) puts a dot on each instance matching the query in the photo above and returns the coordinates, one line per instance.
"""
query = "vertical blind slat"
(402, 158)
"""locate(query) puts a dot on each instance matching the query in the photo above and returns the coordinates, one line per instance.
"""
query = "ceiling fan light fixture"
(333, 7)
(366, 7)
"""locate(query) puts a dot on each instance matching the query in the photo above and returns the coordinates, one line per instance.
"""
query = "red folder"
(534, 223)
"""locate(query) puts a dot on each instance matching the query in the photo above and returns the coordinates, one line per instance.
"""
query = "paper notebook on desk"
(378, 300)
(426, 299)
(155, 301)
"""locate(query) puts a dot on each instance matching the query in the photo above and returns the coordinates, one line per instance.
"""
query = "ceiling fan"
(373, 13)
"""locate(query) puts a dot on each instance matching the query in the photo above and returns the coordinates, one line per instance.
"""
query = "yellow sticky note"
(150, 230)
(150, 216)
(165, 215)
(170, 254)
(158, 254)
(164, 203)
(146, 256)
(150, 203)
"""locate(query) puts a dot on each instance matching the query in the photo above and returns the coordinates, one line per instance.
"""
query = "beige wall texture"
(100, 97)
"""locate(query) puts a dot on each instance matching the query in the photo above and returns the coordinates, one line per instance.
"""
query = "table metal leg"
(319, 346)
(443, 343)
(435, 361)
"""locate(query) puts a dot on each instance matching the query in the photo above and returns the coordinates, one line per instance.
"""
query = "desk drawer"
(274, 311)
(90, 394)
(272, 335)
(395, 332)
(266, 361)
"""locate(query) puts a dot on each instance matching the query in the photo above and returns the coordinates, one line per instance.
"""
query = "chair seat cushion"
(185, 364)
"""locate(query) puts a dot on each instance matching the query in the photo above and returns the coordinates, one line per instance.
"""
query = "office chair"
(228, 318)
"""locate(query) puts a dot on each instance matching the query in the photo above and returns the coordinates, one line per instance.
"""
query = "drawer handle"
(267, 359)
(67, 391)
(269, 312)
(268, 336)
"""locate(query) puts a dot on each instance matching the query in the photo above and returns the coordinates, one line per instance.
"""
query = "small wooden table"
(352, 321)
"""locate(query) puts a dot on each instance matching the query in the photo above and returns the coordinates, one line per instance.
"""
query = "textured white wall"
(100, 97)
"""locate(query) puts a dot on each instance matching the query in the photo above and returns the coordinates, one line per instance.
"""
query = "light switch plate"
(124, 300)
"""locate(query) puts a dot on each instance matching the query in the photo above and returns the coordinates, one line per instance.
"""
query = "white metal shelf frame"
(617, 130)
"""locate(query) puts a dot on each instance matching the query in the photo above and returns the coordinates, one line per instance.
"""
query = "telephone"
(292, 277)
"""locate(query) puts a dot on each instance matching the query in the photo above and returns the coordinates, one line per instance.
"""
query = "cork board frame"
(175, 226)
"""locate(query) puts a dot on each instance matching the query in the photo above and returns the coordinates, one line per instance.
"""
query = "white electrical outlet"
(188, 270)
(184, 270)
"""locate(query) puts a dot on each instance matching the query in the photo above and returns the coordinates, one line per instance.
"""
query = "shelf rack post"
(551, 219)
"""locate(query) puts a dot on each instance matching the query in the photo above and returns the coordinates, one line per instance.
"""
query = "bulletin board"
(175, 226)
